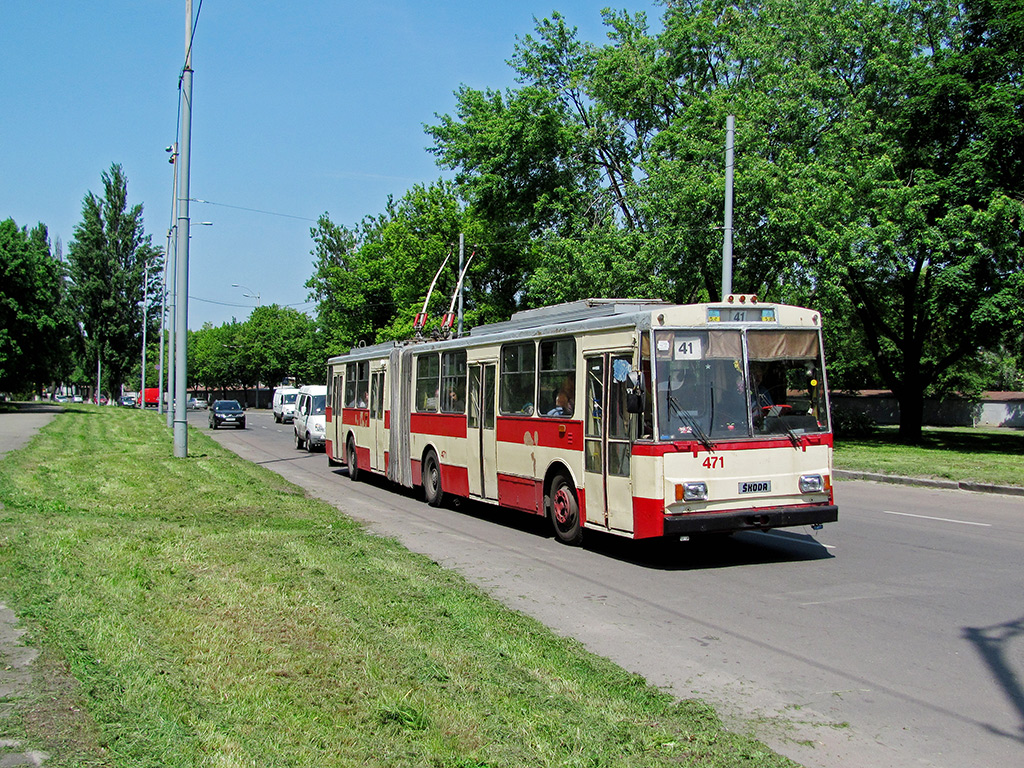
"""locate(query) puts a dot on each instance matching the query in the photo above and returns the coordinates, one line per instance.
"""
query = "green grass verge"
(954, 453)
(204, 611)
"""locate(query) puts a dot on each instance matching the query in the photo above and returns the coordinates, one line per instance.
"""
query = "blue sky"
(300, 108)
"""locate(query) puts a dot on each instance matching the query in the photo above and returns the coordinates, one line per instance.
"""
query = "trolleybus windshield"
(728, 384)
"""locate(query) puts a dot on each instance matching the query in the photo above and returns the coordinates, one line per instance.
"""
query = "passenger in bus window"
(562, 407)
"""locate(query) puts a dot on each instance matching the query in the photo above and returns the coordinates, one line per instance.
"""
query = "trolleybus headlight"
(692, 492)
(811, 484)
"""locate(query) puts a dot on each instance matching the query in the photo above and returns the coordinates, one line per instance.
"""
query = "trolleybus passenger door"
(483, 443)
(377, 443)
(607, 446)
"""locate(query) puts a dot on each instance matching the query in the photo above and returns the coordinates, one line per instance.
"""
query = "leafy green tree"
(106, 261)
(214, 354)
(878, 166)
(914, 215)
(370, 282)
(277, 342)
(34, 322)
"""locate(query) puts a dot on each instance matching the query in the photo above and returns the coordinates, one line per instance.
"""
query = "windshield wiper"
(793, 436)
(691, 422)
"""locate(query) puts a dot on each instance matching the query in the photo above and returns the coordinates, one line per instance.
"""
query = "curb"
(952, 485)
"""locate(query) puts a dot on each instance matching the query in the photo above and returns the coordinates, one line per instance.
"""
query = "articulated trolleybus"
(634, 417)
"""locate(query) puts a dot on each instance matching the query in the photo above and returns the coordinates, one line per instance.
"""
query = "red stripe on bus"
(441, 424)
(329, 414)
(363, 457)
(455, 480)
(523, 493)
(648, 517)
(387, 419)
(356, 417)
(663, 449)
(547, 433)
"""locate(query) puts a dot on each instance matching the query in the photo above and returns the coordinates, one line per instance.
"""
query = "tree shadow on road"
(993, 646)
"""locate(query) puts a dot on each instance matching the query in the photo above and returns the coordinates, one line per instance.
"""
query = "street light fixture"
(251, 293)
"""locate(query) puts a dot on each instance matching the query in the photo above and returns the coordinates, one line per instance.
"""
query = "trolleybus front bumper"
(749, 519)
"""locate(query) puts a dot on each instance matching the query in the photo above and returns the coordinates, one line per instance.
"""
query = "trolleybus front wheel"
(432, 480)
(565, 510)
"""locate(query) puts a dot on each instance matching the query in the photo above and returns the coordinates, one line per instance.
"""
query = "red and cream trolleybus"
(635, 417)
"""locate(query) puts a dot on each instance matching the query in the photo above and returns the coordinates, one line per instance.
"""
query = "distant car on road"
(227, 413)
(128, 401)
(309, 421)
(197, 404)
(284, 403)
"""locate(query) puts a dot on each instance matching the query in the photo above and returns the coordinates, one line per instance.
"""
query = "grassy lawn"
(206, 612)
(955, 453)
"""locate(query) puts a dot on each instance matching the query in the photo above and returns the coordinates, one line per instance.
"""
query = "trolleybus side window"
(557, 394)
(645, 425)
(489, 384)
(518, 377)
(619, 419)
(377, 395)
(594, 423)
(363, 384)
(473, 417)
(428, 380)
(350, 385)
(337, 389)
(453, 382)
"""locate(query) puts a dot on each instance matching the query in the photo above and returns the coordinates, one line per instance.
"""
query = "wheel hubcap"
(562, 507)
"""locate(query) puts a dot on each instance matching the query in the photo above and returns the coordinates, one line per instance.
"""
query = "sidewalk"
(16, 429)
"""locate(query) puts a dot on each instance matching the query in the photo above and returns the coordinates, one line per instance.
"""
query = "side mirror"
(635, 392)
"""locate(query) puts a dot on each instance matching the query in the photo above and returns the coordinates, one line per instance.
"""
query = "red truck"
(151, 397)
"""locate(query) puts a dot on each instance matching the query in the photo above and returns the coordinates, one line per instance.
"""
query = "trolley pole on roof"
(181, 265)
(462, 253)
(730, 129)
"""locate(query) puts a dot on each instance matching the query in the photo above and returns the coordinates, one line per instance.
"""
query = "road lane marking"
(941, 519)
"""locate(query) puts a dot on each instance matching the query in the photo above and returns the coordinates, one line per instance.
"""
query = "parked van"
(284, 403)
(310, 420)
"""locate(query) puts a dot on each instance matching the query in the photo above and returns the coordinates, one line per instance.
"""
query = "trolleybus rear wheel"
(565, 510)
(432, 480)
(353, 461)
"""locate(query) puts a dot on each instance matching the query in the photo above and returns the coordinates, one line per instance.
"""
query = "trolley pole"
(462, 254)
(181, 265)
(730, 129)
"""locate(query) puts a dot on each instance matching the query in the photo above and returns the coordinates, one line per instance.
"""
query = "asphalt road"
(894, 637)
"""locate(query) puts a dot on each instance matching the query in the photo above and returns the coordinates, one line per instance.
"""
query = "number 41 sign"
(688, 348)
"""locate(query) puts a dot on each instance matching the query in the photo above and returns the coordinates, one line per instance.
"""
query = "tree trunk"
(911, 401)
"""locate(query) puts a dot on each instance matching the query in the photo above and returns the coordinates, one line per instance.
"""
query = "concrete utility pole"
(730, 129)
(181, 267)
